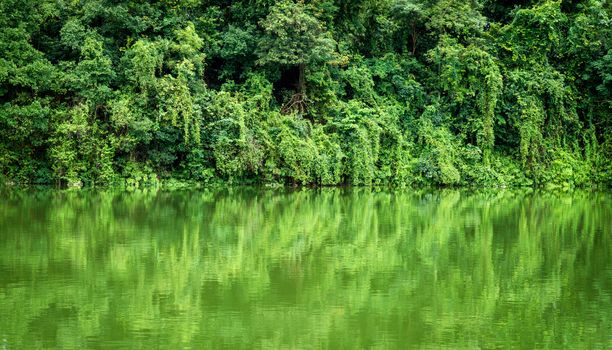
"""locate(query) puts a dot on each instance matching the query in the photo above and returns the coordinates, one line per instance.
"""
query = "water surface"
(331, 268)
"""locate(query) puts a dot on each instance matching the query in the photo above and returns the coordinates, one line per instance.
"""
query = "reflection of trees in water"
(322, 268)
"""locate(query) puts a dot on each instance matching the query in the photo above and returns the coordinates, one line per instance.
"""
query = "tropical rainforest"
(306, 92)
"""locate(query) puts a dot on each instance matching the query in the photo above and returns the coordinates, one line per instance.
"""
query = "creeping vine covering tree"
(320, 92)
(294, 36)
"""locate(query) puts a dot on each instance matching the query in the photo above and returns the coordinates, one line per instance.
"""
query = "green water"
(337, 268)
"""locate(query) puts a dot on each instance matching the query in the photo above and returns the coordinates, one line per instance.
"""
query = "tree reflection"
(306, 268)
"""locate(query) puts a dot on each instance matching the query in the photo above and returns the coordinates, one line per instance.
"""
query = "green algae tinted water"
(335, 268)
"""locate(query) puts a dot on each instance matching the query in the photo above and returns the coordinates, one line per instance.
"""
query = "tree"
(411, 14)
(293, 36)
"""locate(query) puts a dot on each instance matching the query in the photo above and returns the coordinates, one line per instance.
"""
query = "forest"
(489, 93)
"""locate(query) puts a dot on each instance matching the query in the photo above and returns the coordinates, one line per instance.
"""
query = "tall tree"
(294, 36)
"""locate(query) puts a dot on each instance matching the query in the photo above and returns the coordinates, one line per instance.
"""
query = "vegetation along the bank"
(319, 92)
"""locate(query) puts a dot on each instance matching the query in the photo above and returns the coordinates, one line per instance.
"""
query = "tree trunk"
(414, 39)
(298, 102)
(301, 82)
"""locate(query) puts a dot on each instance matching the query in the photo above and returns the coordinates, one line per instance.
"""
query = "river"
(309, 268)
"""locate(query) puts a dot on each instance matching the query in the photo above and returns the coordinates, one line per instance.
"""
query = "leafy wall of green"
(318, 92)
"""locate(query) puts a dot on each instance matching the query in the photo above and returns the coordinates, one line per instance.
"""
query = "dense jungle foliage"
(315, 92)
